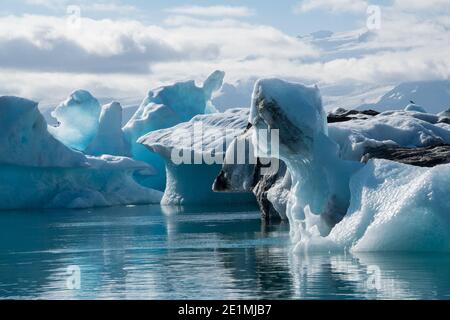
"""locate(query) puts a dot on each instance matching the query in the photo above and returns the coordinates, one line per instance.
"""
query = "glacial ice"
(271, 187)
(194, 152)
(397, 128)
(395, 207)
(332, 200)
(38, 171)
(25, 141)
(166, 107)
(78, 118)
(110, 138)
(320, 193)
(345, 205)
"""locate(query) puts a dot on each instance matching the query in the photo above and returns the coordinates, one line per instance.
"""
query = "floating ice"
(398, 128)
(344, 205)
(78, 120)
(194, 152)
(38, 171)
(166, 107)
(271, 187)
(396, 207)
(25, 141)
(110, 137)
(320, 193)
(444, 114)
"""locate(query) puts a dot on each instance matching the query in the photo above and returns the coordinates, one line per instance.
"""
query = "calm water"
(153, 253)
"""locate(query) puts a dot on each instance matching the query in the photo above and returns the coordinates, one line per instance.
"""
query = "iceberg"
(390, 128)
(38, 171)
(194, 152)
(395, 207)
(166, 107)
(78, 118)
(25, 141)
(110, 138)
(271, 189)
(337, 204)
(320, 193)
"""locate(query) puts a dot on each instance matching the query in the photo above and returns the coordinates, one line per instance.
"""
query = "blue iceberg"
(338, 203)
(166, 107)
(39, 171)
(194, 152)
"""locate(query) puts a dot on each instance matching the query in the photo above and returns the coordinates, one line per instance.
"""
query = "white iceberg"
(110, 138)
(398, 128)
(25, 141)
(395, 207)
(38, 171)
(320, 192)
(271, 187)
(345, 205)
(166, 107)
(194, 152)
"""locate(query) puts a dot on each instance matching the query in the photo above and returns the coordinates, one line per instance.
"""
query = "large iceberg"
(320, 193)
(396, 207)
(25, 141)
(194, 152)
(340, 204)
(38, 171)
(166, 107)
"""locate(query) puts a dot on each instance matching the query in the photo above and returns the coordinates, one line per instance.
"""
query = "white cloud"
(212, 11)
(85, 5)
(42, 58)
(421, 4)
(109, 8)
(45, 3)
(331, 5)
(33, 46)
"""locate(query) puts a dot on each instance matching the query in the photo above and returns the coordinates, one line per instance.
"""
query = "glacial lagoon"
(154, 252)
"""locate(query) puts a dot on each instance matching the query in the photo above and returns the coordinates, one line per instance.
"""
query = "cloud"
(421, 5)
(34, 45)
(45, 59)
(85, 5)
(353, 6)
(39, 43)
(44, 3)
(109, 8)
(212, 11)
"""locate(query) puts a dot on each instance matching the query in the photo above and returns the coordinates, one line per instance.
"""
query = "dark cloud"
(63, 55)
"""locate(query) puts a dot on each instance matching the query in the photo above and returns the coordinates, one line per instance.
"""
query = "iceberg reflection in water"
(149, 252)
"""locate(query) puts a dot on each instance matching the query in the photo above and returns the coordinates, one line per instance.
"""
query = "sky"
(121, 49)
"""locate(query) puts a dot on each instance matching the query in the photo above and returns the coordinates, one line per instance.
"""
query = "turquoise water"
(152, 253)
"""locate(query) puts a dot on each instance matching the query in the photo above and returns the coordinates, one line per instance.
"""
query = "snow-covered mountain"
(434, 96)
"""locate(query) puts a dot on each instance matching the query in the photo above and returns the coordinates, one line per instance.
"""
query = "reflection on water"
(150, 252)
